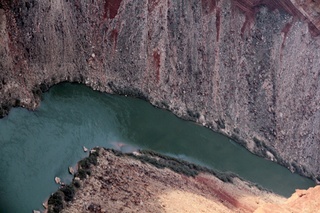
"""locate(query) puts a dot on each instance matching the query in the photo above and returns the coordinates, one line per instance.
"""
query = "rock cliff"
(246, 68)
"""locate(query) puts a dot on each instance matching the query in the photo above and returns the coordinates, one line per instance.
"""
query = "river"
(38, 145)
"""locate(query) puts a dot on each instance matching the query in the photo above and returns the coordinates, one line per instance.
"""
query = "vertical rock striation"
(246, 68)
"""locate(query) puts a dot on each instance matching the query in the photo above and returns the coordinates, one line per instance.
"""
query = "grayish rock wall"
(250, 73)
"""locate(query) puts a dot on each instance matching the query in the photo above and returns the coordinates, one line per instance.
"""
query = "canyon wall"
(246, 68)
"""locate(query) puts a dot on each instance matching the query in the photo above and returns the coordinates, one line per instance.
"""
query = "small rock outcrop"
(71, 170)
(57, 180)
(85, 149)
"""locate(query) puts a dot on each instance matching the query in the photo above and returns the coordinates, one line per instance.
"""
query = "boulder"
(57, 180)
(71, 170)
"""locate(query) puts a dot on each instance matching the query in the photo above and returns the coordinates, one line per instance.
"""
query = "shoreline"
(254, 84)
(187, 180)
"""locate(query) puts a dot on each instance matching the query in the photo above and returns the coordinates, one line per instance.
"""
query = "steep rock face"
(246, 68)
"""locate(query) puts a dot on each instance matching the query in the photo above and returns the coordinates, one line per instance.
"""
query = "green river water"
(37, 146)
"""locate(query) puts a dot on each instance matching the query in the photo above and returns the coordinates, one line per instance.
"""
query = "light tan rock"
(57, 180)
(71, 170)
(45, 205)
(306, 201)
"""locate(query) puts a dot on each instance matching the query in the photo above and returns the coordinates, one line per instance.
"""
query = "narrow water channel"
(37, 146)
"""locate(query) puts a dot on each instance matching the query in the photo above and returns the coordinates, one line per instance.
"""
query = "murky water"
(37, 146)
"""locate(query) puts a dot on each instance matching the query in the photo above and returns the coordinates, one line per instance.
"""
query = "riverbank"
(116, 122)
(145, 181)
(247, 70)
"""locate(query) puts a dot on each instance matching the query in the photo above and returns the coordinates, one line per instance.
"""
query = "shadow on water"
(37, 146)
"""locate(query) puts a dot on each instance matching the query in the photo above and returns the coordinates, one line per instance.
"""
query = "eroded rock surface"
(246, 68)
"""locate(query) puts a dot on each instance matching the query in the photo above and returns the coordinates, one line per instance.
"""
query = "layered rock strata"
(246, 68)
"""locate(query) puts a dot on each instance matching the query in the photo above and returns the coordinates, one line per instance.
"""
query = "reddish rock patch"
(208, 6)
(156, 58)
(248, 21)
(220, 193)
(285, 31)
(218, 22)
(111, 8)
(225, 196)
(248, 8)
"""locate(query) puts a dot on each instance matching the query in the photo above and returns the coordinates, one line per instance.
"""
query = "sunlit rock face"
(300, 201)
(249, 69)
